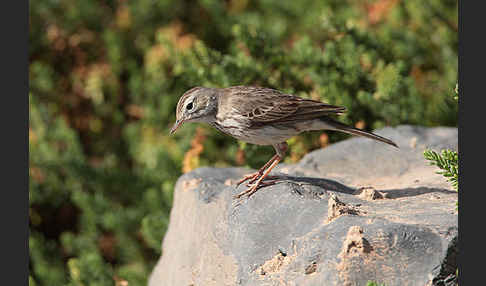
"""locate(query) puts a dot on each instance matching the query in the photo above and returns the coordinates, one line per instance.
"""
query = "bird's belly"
(267, 135)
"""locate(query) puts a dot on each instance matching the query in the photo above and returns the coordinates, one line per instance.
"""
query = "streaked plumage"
(261, 116)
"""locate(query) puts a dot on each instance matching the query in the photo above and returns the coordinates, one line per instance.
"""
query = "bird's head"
(198, 104)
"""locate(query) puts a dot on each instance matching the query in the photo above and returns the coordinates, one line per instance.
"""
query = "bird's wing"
(265, 105)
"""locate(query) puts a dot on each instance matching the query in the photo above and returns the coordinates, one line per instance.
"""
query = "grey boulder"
(353, 212)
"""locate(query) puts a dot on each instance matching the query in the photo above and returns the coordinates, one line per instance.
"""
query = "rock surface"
(353, 212)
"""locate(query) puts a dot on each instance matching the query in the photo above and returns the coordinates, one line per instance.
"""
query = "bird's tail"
(355, 131)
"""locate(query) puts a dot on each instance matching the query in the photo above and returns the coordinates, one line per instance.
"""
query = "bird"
(261, 116)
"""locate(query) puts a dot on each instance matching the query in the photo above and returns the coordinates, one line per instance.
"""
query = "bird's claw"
(253, 178)
(262, 184)
(248, 192)
(253, 188)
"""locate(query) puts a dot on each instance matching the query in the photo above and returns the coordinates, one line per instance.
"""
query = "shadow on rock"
(324, 184)
(411, 192)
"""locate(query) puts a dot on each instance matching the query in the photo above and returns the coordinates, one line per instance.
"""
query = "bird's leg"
(253, 188)
(257, 174)
(280, 148)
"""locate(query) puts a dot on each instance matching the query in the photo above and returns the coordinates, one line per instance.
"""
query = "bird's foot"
(264, 182)
(248, 192)
(253, 177)
(257, 178)
(254, 187)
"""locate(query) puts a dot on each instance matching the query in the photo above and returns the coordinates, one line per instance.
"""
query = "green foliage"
(105, 77)
(447, 161)
(372, 283)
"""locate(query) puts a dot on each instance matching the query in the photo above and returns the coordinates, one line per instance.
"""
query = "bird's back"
(265, 116)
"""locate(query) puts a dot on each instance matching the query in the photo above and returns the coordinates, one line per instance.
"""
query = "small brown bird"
(261, 116)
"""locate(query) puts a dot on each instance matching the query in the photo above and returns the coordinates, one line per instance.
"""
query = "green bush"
(372, 283)
(105, 77)
(447, 160)
(448, 163)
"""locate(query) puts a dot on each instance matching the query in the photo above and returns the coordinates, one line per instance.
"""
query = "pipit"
(261, 116)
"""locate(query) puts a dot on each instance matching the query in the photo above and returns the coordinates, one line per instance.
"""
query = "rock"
(353, 212)
(369, 193)
(336, 208)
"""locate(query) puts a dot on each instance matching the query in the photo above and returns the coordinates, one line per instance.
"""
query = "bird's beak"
(177, 124)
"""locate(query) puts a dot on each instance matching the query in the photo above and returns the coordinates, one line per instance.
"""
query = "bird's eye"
(189, 106)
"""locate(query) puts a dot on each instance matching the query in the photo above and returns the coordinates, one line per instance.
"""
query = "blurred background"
(105, 77)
